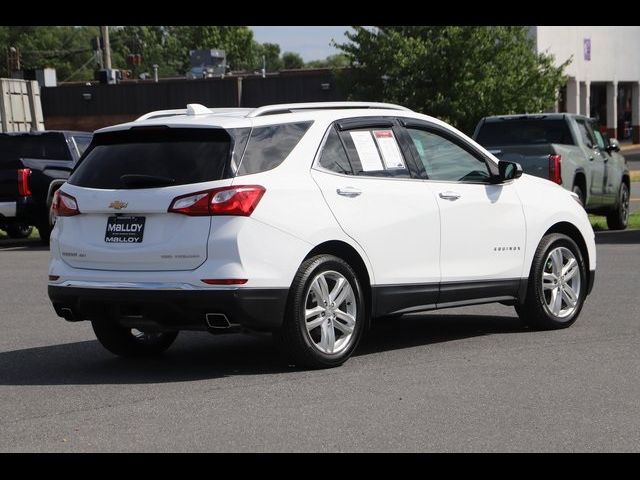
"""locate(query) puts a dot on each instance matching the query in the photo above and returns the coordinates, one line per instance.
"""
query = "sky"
(312, 43)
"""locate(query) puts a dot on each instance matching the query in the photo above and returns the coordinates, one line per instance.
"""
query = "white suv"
(308, 220)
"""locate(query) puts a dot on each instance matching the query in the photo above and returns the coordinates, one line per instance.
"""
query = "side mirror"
(509, 170)
(614, 145)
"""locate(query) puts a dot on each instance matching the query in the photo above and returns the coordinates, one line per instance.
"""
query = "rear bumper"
(259, 309)
(24, 209)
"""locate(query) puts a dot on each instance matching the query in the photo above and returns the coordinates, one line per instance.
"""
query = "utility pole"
(106, 49)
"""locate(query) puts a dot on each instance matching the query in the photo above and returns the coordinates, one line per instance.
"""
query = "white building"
(604, 74)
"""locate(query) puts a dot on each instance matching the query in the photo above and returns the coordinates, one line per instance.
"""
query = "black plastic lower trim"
(260, 309)
(408, 298)
(591, 281)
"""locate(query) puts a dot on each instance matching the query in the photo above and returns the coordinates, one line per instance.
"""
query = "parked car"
(30, 164)
(569, 150)
(309, 221)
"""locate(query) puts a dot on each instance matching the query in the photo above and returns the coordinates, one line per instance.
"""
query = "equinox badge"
(118, 205)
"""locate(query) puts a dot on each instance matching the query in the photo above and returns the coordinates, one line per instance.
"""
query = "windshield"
(152, 157)
(524, 132)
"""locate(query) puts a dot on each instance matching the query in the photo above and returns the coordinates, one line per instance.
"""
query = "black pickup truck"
(32, 166)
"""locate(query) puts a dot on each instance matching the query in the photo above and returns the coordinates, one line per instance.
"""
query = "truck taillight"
(555, 170)
(23, 182)
(64, 205)
(237, 200)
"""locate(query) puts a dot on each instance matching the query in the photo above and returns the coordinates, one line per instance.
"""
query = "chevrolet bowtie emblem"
(118, 205)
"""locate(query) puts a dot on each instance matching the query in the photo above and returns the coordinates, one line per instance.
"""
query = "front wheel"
(619, 218)
(325, 314)
(557, 284)
(130, 342)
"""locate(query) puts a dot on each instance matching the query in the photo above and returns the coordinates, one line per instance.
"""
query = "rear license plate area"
(124, 229)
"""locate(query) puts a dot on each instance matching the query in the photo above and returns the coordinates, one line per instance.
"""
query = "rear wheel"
(619, 218)
(130, 342)
(557, 284)
(325, 315)
(19, 230)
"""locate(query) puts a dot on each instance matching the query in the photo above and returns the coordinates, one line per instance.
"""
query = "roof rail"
(293, 107)
(161, 113)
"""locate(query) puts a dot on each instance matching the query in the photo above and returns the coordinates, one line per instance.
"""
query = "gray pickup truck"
(569, 150)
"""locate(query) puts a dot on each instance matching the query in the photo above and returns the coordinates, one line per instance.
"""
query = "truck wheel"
(325, 315)
(19, 230)
(130, 342)
(619, 218)
(557, 284)
(578, 191)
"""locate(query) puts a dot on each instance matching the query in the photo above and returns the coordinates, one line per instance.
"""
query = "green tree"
(291, 60)
(455, 73)
(339, 60)
(271, 52)
(67, 49)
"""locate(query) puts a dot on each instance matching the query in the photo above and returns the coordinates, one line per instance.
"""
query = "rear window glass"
(146, 158)
(49, 146)
(524, 132)
(268, 146)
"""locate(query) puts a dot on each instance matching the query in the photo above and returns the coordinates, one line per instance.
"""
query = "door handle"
(449, 195)
(348, 192)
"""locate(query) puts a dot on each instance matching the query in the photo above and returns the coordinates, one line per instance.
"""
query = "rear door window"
(268, 146)
(375, 152)
(153, 157)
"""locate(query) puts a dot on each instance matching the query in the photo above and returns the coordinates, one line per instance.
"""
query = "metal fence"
(94, 106)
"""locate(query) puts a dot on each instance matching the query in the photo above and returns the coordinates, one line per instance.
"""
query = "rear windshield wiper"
(142, 181)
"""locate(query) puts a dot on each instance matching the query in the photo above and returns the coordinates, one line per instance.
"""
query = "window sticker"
(389, 148)
(367, 151)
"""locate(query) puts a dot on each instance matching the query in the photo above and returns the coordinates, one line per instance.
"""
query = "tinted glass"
(82, 142)
(524, 132)
(333, 156)
(269, 146)
(585, 133)
(50, 146)
(444, 160)
(180, 156)
(375, 153)
(600, 139)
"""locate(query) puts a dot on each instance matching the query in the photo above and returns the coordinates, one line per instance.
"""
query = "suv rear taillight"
(23, 182)
(237, 200)
(555, 170)
(64, 205)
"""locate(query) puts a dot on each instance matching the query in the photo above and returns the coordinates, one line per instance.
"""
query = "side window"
(333, 156)
(444, 160)
(82, 142)
(600, 140)
(585, 133)
(268, 146)
(375, 152)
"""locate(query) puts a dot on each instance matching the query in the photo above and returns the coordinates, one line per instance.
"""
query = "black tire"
(297, 344)
(534, 312)
(577, 189)
(619, 218)
(19, 230)
(123, 341)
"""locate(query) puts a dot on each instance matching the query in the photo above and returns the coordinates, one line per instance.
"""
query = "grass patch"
(600, 223)
(635, 175)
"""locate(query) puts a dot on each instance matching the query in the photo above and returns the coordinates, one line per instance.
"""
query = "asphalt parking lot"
(471, 379)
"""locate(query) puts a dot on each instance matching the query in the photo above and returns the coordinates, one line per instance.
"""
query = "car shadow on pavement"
(23, 244)
(618, 237)
(424, 329)
(197, 356)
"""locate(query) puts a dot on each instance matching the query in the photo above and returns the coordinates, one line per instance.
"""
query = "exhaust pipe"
(68, 315)
(217, 320)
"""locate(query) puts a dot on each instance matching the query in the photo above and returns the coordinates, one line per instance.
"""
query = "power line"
(84, 65)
